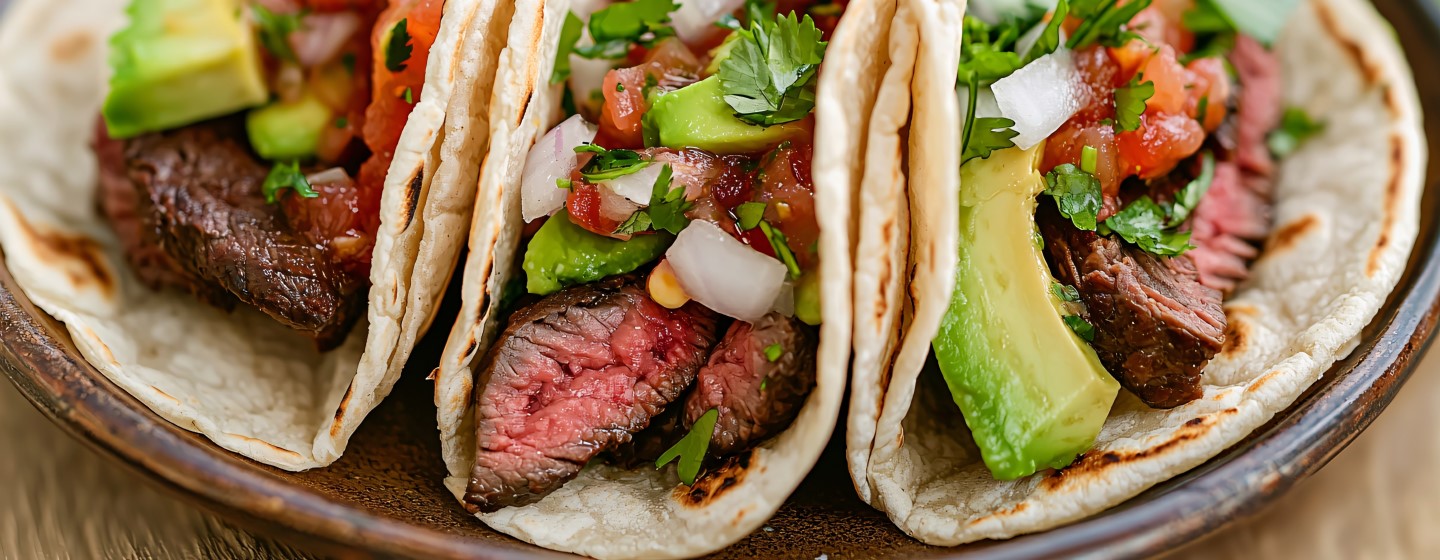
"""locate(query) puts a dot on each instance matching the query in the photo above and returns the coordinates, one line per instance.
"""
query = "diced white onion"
(1040, 97)
(615, 207)
(321, 36)
(785, 302)
(695, 20)
(553, 157)
(332, 175)
(724, 274)
(586, 78)
(636, 186)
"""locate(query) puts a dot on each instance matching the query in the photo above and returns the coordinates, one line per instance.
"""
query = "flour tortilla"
(1347, 206)
(609, 512)
(246, 382)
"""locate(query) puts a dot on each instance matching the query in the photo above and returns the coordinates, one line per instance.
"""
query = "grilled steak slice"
(199, 201)
(1156, 325)
(756, 397)
(575, 374)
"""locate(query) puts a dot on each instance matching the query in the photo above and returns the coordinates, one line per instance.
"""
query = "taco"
(1200, 203)
(281, 191)
(654, 332)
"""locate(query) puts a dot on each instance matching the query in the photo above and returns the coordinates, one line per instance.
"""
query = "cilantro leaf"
(667, 204)
(1104, 22)
(1143, 224)
(773, 352)
(691, 448)
(1065, 293)
(1049, 38)
(275, 30)
(286, 176)
(985, 135)
(1130, 103)
(1077, 194)
(618, 26)
(636, 223)
(781, 247)
(1081, 327)
(1262, 21)
(1189, 196)
(398, 48)
(750, 214)
(1296, 127)
(570, 34)
(609, 164)
(769, 77)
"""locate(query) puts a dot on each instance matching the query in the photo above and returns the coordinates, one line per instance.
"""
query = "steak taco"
(282, 190)
(655, 311)
(1199, 202)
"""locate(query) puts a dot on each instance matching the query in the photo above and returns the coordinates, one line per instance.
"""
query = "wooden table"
(58, 499)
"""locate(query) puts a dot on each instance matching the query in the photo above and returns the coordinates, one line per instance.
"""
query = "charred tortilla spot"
(340, 411)
(1392, 200)
(412, 197)
(69, 48)
(1194, 422)
(1371, 71)
(86, 264)
(1260, 383)
(1289, 235)
(1093, 465)
(713, 484)
(1237, 336)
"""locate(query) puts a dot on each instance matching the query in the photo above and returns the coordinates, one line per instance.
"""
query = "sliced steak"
(756, 397)
(1156, 325)
(199, 201)
(575, 374)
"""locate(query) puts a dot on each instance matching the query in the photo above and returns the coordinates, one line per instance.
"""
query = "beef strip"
(756, 397)
(199, 203)
(1156, 325)
(575, 374)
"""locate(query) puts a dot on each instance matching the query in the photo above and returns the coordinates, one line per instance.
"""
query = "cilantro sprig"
(782, 248)
(769, 77)
(1130, 102)
(286, 176)
(1104, 22)
(1144, 224)
(989, 53)
(398, 48)
(614, 30)
(666, 210)
(1077, 194)
(609, 164)
(691, 449)
(1189, 197)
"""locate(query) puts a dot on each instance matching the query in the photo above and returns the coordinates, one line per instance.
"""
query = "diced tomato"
(1067, 145)
(1158, 29)
(1210, 83)
(736, 184)
(389, 110)
(670, 65)
(1170, 81)
(583, 204)
(1161, 142)
(335, 219)
(785, 185)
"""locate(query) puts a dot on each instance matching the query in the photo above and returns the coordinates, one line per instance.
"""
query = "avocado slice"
(1033, 393)
(180, 62)
(563, 254)
(287, 131)
(696, 116)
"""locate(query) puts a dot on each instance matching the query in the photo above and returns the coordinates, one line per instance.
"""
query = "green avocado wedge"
(1032, 392)
(562, 254)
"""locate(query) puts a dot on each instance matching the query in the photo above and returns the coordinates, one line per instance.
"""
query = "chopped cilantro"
(1065, 293)
(619, 26)
(1081, 327)
(609, 164)
(769, 77)
(1130, 103)
(985, 135)
(1189, 196)
(286, 176)
(275, 30)
(667, 204)
(563, 183)
(1077, 194)
(781, 247)
(691, 449)
(1144, 224)
(1202, 110)
(398, 48)
(636, 223)
(1089, 159)
(750, 214)
(1104, 22)
(408, 95)
(773, 352)
(1049, 39)
(1295, 128)
(342, 122)
(570, 33)
(764, 382)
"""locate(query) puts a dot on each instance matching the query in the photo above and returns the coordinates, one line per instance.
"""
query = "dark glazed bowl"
(385, 497)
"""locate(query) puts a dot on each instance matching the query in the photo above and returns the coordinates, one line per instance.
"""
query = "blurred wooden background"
(1378, 500)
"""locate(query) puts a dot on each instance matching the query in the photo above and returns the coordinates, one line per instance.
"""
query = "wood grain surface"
(60, 500)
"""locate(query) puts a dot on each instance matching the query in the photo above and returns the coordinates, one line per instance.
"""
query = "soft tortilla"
(613, 513)
(1346, 215)
(241, 379)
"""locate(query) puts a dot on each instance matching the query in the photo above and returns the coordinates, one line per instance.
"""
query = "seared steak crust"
(575, 374)
(756, 397)
(1156, 325)
(199, 201)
